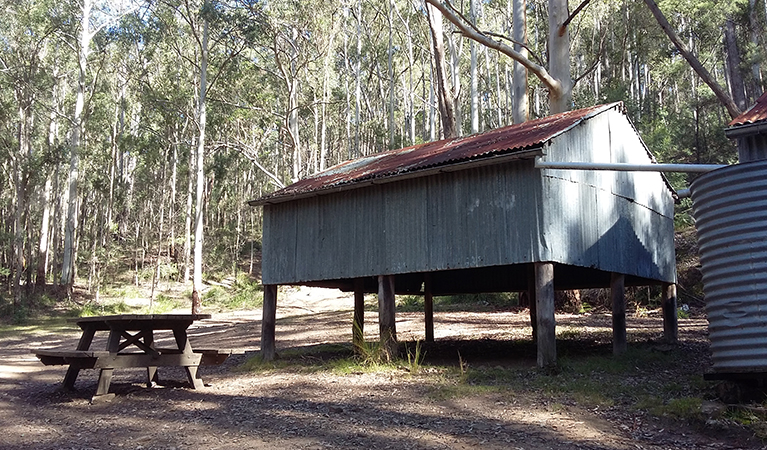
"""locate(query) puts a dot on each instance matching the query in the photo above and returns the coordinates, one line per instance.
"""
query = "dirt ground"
(295, 410)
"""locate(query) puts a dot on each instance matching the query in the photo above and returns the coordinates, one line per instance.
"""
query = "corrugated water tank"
(730, 210)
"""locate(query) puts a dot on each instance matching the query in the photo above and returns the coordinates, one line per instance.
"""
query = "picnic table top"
(139, 321)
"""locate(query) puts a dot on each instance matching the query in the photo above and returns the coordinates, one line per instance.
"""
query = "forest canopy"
(133, 133)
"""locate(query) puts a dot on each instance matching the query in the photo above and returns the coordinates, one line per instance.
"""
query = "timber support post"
(268, 322)
(618, 296)
(532, 301)
(546, 333)
(670, 319)
(358, 325)
(428, 307)
(387, 316)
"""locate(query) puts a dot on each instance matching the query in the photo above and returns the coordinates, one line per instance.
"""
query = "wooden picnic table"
(131, 344)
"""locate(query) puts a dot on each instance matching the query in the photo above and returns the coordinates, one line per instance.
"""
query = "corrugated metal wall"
(752, 148)
(616, 221)
(471, 218)
(488, 216)
(730, 208)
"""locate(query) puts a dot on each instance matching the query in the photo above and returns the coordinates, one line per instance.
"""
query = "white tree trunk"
(444, 97)
(455, 77)
(756, 69)
(70, 238)
(200, 200)
(188, 218)
(520, 105)
(559, 57)
(358, 81)
(391, 74)
(474, 77)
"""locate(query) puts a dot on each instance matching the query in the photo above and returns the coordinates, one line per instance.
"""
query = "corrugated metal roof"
(411, 160)
(757, 113)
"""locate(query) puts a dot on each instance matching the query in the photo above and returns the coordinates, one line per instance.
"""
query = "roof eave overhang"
(454, 167)
(746, 130)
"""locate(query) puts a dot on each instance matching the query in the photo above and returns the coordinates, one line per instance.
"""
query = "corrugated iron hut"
(750, 131)
(473, 214)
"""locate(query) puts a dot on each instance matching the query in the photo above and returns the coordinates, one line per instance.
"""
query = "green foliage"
(341, 359)
(474, 302)
(141, 110)
(101, 309)
(415, 357)
(245, 293)
(688, 408)
(163, 304)
(410, 303)
(601, 380)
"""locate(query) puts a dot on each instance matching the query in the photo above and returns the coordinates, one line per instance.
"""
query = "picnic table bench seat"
(82, 358)
(210, 356)
(90, 359)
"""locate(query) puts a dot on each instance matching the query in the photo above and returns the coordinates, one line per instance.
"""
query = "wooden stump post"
(428, 307)
(670, 320)
(618, 295)
(358, 325)
(387, 316)
(268, 322)
(544, 303)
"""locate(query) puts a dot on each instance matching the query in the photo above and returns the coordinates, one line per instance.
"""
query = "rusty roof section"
(420, 158)
(757, 113)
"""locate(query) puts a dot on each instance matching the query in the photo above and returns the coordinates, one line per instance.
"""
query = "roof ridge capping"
(513, 141)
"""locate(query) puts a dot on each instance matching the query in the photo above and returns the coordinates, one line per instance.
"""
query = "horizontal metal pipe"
(683, 193)
(627, 167)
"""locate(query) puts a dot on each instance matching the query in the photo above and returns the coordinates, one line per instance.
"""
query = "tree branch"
(250, 153)
(525, 46)
(567, 21)
(704, 74)
(552, 84)
(596, 61)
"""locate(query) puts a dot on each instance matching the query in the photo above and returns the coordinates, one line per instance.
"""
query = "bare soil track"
(318, 410)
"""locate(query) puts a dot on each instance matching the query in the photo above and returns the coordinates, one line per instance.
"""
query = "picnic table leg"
(83, 344)
(186, 348)
(105, 379)
(105, 376)
(151, 371)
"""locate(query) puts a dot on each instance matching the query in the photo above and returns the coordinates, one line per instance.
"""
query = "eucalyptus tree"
(26, 32)
(219, 33)
(302, 36)
(92, 18)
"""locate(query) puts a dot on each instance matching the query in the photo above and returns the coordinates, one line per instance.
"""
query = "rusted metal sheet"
(730, 209)
(509, 140)
(757, 113)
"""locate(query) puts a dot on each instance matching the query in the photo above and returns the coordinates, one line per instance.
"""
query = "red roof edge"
(756, 113)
